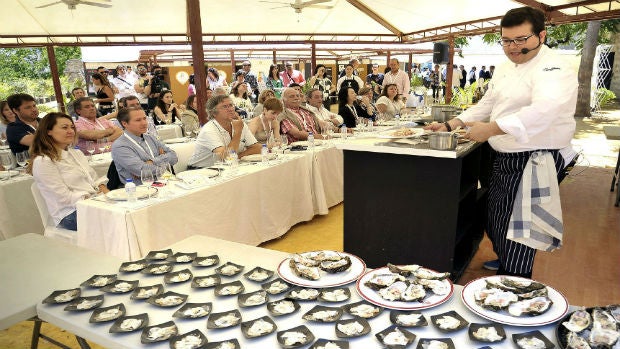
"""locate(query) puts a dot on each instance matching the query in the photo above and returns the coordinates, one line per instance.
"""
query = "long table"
(259, 203)
(18, 211)
(32, 266)
(249, 256)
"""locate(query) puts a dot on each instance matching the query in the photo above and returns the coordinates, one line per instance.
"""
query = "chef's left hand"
(482, 131)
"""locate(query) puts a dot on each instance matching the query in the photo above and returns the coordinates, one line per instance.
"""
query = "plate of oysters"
(514, 300)
(405, 287)
(590, 328)
(323, 268)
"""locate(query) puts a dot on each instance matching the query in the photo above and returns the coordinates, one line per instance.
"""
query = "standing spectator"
(350, 80)
(472, 75)
(76, 94)
(191, 88)
(105, 94)
(374, 80)
(290, 75)
(482, 74)
(435, 78)
(250, 78)
(20, 133)
(490, 72)
(398, 77)
(214, 79)
(274, 82)
(155, 86)
(140, 84)
(321, 82)
(462, 76)
(354, 63)
(124, 82)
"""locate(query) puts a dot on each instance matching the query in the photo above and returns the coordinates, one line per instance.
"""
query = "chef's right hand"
(436, 127)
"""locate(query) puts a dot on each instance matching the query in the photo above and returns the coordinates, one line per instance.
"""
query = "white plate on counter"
(358, 267)
(558, 309)
(397, 133)
(10, 173)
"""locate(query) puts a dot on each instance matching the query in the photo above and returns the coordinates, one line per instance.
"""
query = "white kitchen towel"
(536, 219)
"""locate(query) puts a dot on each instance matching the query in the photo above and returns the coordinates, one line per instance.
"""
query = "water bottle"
(310, 140)
(234, 161)
(130, 189)
(343, 131)
(370, 125)
(264, 154)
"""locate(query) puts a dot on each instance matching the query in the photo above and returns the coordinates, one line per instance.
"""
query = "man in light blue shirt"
(136, 150)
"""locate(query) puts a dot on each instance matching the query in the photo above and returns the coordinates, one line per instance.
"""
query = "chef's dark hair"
(518, 16)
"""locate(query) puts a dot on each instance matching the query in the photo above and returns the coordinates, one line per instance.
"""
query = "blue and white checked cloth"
(536, 219)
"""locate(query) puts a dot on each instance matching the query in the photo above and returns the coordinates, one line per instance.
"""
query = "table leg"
(36, 334)
(615, 178)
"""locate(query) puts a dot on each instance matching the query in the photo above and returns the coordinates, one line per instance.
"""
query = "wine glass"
(3, 139)
(90, 148)
(101, 144)
(343, 132)
(22, 159)
(7, 162)
(147, 177)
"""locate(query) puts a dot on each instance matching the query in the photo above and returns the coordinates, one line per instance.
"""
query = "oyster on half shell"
(579, 321)
(535, 306)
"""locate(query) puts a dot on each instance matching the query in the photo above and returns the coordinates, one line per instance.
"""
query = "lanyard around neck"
(96, 121)
(138, 145)
(84, 170)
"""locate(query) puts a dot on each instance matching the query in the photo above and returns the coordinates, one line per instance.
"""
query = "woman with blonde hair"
(266, 126)
(6, 117)
(265, 95)
(61, 172)
(105, 95)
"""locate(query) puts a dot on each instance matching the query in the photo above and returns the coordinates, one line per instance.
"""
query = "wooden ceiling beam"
(375, 16)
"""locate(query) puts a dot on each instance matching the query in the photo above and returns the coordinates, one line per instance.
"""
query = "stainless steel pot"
(442, 112)
(442, 140)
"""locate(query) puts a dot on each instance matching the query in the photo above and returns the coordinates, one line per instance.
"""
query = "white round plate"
(317, 142)
(389, 134)
(257, 157)
(557, 311)
(358, 267)
(175, 140)
(141, 193)
(10, 173)
(373, 296)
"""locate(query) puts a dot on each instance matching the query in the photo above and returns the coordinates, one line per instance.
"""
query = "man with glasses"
(527, 111)
(296, 121)
(224, 132)
(124, 82)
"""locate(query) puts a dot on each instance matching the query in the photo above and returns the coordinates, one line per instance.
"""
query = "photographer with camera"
(154, 85)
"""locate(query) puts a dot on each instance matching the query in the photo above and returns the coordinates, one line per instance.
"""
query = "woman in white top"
(389, 104)
(266, 126)
(61, 172)
(6, 117)
(239, 96)
(214, 80)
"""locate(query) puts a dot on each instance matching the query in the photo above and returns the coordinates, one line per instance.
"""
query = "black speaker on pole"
(440, 53)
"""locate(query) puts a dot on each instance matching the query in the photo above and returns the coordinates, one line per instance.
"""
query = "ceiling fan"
(298, 5)
(73, 3)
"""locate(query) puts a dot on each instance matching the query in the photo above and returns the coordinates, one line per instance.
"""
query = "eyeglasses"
(227, 106)
(517, 41)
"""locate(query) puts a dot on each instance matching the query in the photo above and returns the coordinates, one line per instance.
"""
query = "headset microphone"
(525, 51)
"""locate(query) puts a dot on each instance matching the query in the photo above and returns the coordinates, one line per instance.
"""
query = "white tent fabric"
(149, 19)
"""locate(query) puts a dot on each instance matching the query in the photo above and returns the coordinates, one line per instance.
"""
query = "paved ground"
(589, 138)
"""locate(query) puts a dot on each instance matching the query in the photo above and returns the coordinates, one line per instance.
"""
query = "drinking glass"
(343, 132)
(283, 143)
(7, 162)
(22, 159)
(101, 144)
(3, 139)
(147, 177)
(90, 148)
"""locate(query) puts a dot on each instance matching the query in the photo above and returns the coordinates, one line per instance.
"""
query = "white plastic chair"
(51, 230)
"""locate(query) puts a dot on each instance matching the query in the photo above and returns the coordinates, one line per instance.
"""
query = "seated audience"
(240, 97)
(62, 173)
(76, 94)
(315, 104)
(89, 128)
(6, 117)
(369, 107)
(225, 131)
(21, 132)
(265, 95)
(166, 111)
(296, 121)
(265, 126)
(349, 108)
(136, 150)
(389, 104)
(189, 117)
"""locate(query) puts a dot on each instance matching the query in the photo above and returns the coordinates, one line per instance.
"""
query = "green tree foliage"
(27, 70)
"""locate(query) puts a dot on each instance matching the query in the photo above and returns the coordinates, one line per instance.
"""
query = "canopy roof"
(270, 22)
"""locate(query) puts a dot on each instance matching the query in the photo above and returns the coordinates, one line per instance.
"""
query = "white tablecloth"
(258, 205)
(18, 212)
(250, 257)
(32, 266)
(169, 131)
